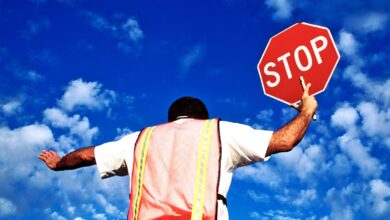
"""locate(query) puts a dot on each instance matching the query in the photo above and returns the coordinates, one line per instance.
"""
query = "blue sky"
(77, 72)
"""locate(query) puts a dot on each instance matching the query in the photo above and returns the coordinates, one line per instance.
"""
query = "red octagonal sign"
(301, 50)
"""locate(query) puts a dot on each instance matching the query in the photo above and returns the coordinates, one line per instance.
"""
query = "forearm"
(290, 134)
(76, 159)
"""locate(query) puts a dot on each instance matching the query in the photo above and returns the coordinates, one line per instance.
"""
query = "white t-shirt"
(240, 145)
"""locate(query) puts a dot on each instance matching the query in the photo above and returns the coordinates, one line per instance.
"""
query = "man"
(183, 169)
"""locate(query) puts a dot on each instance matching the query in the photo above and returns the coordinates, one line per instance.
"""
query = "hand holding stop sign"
(308, 103)
(302, 50)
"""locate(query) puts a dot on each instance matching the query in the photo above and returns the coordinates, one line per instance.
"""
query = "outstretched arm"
(287, 137)
(73, 160)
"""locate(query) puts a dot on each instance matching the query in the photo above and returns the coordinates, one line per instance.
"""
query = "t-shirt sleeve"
(243, 144)
(115, 158)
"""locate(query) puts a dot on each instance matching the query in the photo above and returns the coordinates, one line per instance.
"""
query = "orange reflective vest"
(176, 172)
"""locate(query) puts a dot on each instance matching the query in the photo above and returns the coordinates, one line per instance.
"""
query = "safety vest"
(176, 172)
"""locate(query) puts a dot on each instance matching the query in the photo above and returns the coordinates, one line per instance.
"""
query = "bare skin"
(73, 160)
(287, 137)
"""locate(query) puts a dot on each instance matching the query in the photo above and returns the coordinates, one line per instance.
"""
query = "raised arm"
(73, 160)
(287, 137)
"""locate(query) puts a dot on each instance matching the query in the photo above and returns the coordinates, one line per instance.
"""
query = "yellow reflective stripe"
(144, 144)
(195, 204)
(201, 172)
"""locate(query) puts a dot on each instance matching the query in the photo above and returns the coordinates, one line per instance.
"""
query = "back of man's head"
(187, 106)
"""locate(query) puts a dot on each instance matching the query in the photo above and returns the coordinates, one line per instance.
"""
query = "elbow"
(287, 146)
(291, 143)
(281, 142)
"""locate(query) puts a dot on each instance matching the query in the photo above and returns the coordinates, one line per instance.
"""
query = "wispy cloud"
(12, 107)
(125, 30)
(282, 8)
(34, 27)
(192, 56)
(132, 29)
(367, 22)
(23, 73)
(44, 57)
(6, 207)
(257, 173)
(347, 44)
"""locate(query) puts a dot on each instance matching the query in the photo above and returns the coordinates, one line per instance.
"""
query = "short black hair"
(187, 106)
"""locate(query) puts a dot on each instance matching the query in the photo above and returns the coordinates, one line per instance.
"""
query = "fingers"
(45, 155)
(296, 106)
(305, 86)
(306, 91)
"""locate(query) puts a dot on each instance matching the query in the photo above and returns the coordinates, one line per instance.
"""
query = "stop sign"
(301, 50)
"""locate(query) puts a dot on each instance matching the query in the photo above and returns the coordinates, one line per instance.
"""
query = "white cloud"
(26, 136)
(305, 197)
(303, 163)
(345, 117)
(121, 132)
(78, 127)
(67, 142)
(283, 8)
(350, 143)
(106, 186)
(23, 73)
(300, 198)
(280, 215)
(190, 58)
(265, 114)
(258, 197)
(109, 208)
(288, 113)
(41, 178)
(255, 215)
(377, 89)
(340, 165)
(21, 144)
(86, 94)
(338, 199)
(368, 166)
(57, 216)
(380, 195)
(59, 119)
(347, 43)
(132, 29)
(11, 107)
(84, 131)
(99, 22)
(100, 216)
(369, 21)
(370, 200)
(7, 208)
(259, 173)
(33, 75)
(127, 33)
(375, 121)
